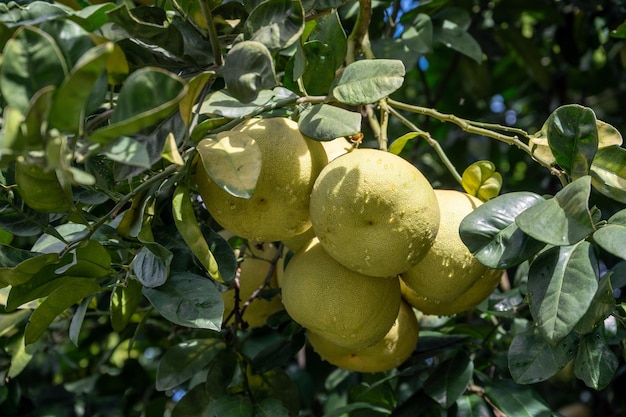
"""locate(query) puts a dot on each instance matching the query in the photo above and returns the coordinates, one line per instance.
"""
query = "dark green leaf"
(611, 237)
(10, 257)
(457, 38)
(184, 360)
(93, 17)
(562, 220)
(63, 297)
(194, 404)
(491, 234)
(562, 282)
(223, 103)
(472, 406)
(369, 80)
(602, 305)
(277, 384)
(24, 270)
(595, 362)
(73, 41)
(188, 300)
(325, 122)
(90, 260)
(270, 407)
(276, 23)
(573, 138)
(226, 260)
(249, 69)
(77, 321)
(124, 303)
(346, 409)
(230, 406)
(534, 359)
(608, 172)
(220, 373)
(50, 243)
(418, 37)
(620, 31)
(319, 71)
(195, 87)
(329, 30)
(31, 61)
(515, 400)
(152, 265)
(450, 380)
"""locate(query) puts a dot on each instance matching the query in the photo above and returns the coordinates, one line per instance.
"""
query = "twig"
(213, 38)
(359, 30)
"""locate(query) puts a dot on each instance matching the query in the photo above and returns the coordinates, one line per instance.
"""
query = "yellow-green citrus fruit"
(336, 147)
(474, 295)
(345, 307)
(252, 273)
(300, 241)
(279, 207)
(449, 268)
(40, 189)
(388, 353)
(374, 212)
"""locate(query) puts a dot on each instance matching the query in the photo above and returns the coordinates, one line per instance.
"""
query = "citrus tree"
(315, 208)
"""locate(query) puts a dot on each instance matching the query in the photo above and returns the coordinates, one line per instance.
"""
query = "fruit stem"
(432, 142)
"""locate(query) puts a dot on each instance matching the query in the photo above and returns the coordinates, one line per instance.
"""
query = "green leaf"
(220, 373)
(67, 110)
(195, 86)
(324, 122)
(248, 69)
(515, 400)
(534, 359)
(595, 362)
(151, 265)
(562, 282)
(472, 406)
(24, 270)
(608, 172)
(562, 220)
(270, 407)
(482, 180)
(573, 138)
(89, 260)
(148, 96)
(223, 103)
(608, 135)
(450, 380)
(369, 80)
(77, 320)
(184, 360)
(276, 23)
(128, 151)
(620, 31)
(491, 234)
(32, 134)
(418, 37)
(329, 30)
(611, 236)
(230, 406)
(66, 295)
(277, 384)
(457, 38)
(602, 305)
(398, 145)
(346, 409)
(194, 404)
(31, 61)
(123, 304)
(319, 71)
(188, 300)
(21, 356)
(52, 243)
(233, 160)
(9, 321)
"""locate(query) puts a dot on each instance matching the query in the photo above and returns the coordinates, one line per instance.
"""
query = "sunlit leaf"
(124, 303)
(188, 300)
(611, 236)
(491, 234)
(368, 81)
(325, 122)
(233, 160)
(608, 172)
(482, 180)
(195, 87)
(533, 359)
(562, 282)
(562, 220)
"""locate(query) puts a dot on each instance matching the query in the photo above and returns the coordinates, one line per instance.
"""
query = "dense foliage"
(111, 271)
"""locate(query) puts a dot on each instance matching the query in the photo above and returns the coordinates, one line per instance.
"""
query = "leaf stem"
(215, 44)
(432, 142)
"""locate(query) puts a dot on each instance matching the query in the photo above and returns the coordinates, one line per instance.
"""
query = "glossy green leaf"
(73, 40)
(398, 145)
(368, 81)
(151, 265)
(223, 103)
(608, 172)
(325, 122)
(123, 304)
(515, 400)
(31, 61)
(170, 151)
(472, 406)
(230, 406)
(602, 305)
(10, 256)
(450, 380)
(319, 71)
(270, 407)
(233, 160)
(482, 180)
(562, 220)
(418, 37)
(562, 282)
(68, 107)
(611, 236)
(78, 319)
(573, 138)
(32, 134)
(534, 359)
(21, 356)
(89, 260)
(94, 16)
(148, 96)
(329, 30)
(63, 297)
(129, 151)
(195, 87)
(51, 243)
(276, 23)
(608, 135)
(184, 360)
(188, 300)
(595, 362)
(491, 234)
(620, 31)
(249, 69)
(24, 270)
(194, 404)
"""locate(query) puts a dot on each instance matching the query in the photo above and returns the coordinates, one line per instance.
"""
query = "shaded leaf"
(491, 234)
(562, 282)
(472, 406)
(602, 305)
(482, 180)
(230, 406)
(24, 270)
(194, 404)
(89, 260)
(248, 69)
(184, 360)
(151, 265)
(450, 380)
(515, 400)
(233, 160)
(77, 320)
(324, 122)
(188, 300)
(534, 359)
(270, 407)
(455, 37)
(129, 151)
(611, 236)
(562, 220)
(195, 87)
(368, 81)
(123, 304)
(276, 23)
(595, 362)
(223, 103)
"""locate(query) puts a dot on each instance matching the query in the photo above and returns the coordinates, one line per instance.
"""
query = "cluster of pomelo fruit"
(373, 244)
